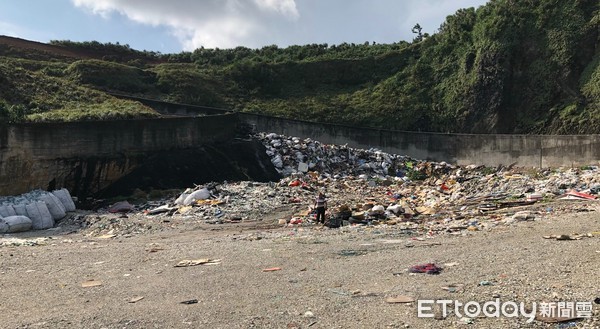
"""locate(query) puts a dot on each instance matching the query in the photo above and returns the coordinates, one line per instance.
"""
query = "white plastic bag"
(202, 194)
(396, 209)
(181, 200)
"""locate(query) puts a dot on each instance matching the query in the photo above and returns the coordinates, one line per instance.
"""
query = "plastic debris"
(189, 301)
(121, 206)
(135, 299)
(428, 268)
(91, 283)
(195, 262)
(272, 269)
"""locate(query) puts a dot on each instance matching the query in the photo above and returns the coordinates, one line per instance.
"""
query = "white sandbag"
(20, 209)
(202, 194)
(65, 198)
(396, 209)
(58, 202)
(181, 199)
(7, 210)
(40, 215)
(378, 209)
(54, 205)
(13, 224)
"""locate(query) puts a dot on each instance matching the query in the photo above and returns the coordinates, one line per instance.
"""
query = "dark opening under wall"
(235, 160)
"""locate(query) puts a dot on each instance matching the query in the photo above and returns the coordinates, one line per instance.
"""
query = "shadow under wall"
(238, 160)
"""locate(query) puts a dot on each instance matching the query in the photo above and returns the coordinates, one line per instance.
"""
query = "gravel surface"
(327, 278)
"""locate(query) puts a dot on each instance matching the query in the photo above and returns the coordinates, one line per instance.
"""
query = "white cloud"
(257, 23)
(208, 23)
(286, 7)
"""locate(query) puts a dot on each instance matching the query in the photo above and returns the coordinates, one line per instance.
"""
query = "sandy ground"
(329, 278)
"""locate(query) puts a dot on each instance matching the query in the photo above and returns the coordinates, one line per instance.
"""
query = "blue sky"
(176, 25)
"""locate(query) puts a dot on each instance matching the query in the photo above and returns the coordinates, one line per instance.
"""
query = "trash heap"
(371, 187)
(292, 155)
(232, 202)
(36, 210)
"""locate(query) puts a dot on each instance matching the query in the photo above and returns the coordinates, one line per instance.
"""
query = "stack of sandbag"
(41, 208)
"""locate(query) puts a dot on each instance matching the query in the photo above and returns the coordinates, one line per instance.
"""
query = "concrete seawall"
(462, 149)
(86, 157)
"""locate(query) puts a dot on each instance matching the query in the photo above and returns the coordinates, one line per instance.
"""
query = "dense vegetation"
(33, 91)
(528, 66)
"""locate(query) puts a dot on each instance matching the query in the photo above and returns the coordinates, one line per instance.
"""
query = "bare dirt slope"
(329, 278)
(41, 47)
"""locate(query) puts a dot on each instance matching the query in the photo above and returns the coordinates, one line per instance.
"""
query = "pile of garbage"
(36, 210)
(371, 187)
(292, 155)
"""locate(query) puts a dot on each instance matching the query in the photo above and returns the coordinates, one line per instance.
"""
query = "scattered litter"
(428, 268)
(563, 237)
(189, 302)
(454, 288)
(107, 236)
(121, 206)
(272, 269)
(486, 283)
(135, 299)
(16, 242)
(574, 195)
(466, 320)
(91, 283)
(195, 262)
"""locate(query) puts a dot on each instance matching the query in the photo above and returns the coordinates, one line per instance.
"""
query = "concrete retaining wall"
(462, 149)
(86, 157)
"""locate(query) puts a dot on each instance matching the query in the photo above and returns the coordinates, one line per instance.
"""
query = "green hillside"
(506, 67)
